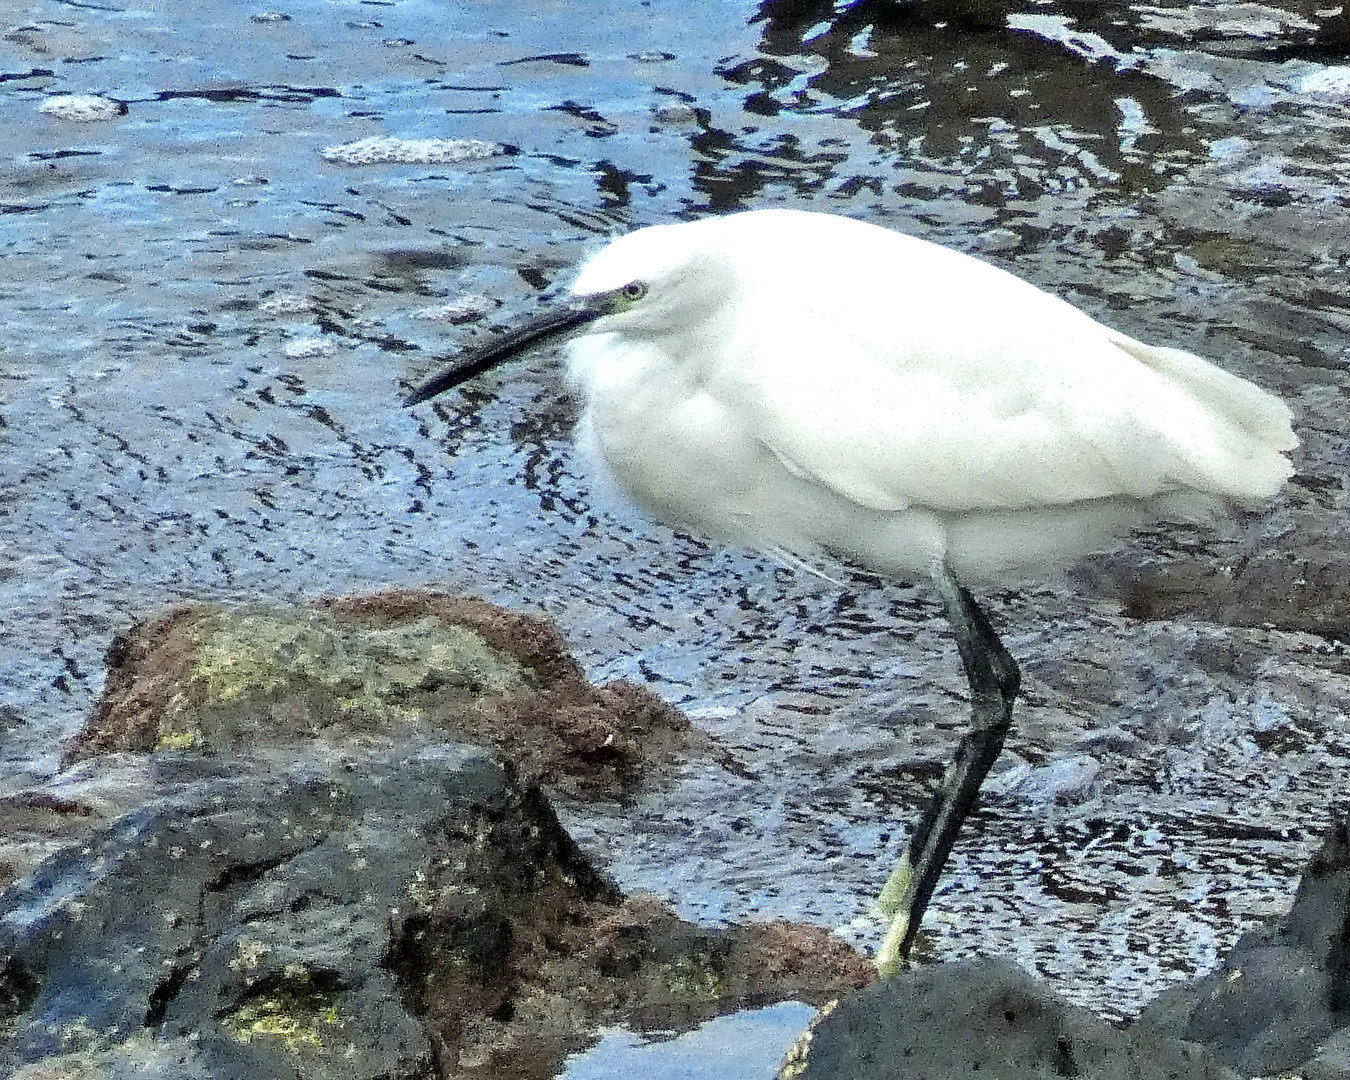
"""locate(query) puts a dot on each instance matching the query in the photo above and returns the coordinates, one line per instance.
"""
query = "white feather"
(816, 384)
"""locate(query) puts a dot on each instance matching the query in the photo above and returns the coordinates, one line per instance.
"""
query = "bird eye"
(634, 290)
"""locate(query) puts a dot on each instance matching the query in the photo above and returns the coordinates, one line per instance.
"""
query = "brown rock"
(214, 679)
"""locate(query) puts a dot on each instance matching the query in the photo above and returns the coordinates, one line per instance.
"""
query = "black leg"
(994, 680)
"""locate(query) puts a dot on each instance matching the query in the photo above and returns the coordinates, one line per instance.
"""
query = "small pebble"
(675, 114)
(82, 108)
(461, 310)
(286, 304)
(309, 348)
(379, 150)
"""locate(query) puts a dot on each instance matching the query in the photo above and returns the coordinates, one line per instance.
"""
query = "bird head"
(654, 282)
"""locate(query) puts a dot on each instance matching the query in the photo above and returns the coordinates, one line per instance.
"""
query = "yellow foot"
(890, 960)
(896, 894)
(895, 902)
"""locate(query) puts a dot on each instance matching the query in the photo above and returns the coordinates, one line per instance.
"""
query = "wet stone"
(82, 108)
(384, 151)
(216, 678)
(274, 855)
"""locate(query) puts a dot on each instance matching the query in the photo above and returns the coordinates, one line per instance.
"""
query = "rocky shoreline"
(315, 842)
(312, 842)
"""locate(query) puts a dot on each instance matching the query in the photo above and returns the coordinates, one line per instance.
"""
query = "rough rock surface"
(275, 855)
(983, 1020)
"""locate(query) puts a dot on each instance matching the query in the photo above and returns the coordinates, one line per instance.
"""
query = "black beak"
(540, 330)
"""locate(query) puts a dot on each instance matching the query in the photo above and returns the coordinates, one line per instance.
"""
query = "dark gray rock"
(239, 926)
(1279, 1004)
(1285, 988)
(353, 911)
(985, 1020)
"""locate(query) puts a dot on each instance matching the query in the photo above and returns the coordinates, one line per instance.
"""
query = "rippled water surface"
(212, 301)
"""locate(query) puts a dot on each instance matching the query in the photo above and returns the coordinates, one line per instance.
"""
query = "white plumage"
(811, 383)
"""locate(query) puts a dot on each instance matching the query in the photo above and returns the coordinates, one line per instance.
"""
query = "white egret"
(813, 385)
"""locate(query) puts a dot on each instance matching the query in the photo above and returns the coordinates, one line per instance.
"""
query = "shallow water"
(747, 1046)
(211, 309)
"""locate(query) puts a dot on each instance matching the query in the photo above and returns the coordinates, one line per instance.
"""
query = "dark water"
(211, 309)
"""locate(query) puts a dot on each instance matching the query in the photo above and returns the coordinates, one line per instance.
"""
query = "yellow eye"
(634, 290)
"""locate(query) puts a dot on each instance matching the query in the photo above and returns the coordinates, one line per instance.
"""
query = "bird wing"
(1025, 402)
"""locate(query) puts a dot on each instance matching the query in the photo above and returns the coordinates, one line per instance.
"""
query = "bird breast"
(664, 441)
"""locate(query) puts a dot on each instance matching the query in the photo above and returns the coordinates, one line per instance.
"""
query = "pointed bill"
(538, 331)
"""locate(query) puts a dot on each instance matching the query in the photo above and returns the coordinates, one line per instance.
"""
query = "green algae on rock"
(269, 658)
(212, 678)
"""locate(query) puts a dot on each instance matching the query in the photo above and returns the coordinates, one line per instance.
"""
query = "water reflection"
(993, 118)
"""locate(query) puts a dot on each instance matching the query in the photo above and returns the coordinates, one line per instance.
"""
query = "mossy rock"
(209, 678)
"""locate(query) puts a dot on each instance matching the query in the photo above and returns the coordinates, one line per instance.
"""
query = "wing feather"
(890, 389)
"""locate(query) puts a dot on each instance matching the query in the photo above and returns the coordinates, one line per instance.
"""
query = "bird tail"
(1254, 425)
